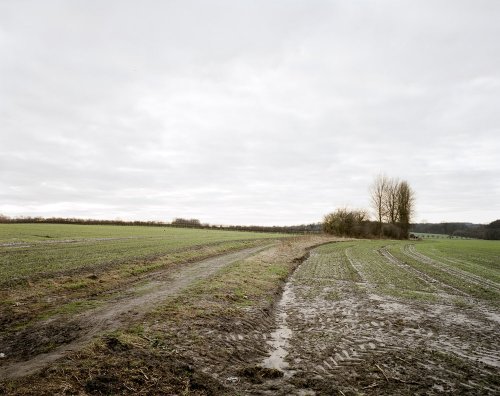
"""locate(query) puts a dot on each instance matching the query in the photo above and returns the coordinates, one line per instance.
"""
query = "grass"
(445, 272)
(404, 275)
(425, 235)
(319, 264)
(235, 299)
(409, 294)
(49, 269)
(63, 232)
(243, 284)
(478, 257)
(71, 308)
(26, 251)
(378, 270)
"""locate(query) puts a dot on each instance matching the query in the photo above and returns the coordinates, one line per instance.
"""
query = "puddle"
(376, 297)
(280, 338)
(493, 316)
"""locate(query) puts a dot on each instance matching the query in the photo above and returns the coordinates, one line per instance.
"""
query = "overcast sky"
(248, 112)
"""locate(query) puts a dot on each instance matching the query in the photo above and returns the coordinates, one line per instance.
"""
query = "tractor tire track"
(331, 339)
(410, 251)
(435, 284)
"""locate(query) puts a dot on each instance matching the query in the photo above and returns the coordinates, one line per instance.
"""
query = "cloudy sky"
(248, 112)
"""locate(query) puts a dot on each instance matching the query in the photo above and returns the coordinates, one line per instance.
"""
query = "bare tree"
(405, 206)
(393, 202)
(378, 196)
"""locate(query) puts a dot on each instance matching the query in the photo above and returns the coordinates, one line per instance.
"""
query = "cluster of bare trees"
(393, 201)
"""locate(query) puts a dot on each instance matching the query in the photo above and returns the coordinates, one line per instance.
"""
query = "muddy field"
(357, 318)
(344, 318)
(340, 332)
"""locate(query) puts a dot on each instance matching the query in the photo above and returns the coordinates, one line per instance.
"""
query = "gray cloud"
(247, 112)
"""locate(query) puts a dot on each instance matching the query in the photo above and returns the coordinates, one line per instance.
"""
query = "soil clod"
(258, 374)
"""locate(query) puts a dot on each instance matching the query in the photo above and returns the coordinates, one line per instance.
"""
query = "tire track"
(445, 288)
(334, 338)
(410, 251)
(123, 310)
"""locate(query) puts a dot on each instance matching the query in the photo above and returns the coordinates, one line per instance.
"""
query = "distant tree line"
(492, 230)
(393, 201)
(178, 222)
(74, 220)
(465, 230)
(313, 228)
(195, 223)
(190, 223)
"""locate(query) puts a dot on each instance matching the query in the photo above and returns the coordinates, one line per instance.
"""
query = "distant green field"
(30, 249)
(425, 235)
(476, 256)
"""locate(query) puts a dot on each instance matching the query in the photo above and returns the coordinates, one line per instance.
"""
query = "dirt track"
(129, 306)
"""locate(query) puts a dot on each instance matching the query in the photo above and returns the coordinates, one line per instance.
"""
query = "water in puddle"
(280, 338)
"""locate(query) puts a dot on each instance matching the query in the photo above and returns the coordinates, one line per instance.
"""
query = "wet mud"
(335, 336)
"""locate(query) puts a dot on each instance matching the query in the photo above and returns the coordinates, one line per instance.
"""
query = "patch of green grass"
(332, 295)
(242, 282)
(338, 262)
(77, 306)
(392, 270)
(70, 308)
(475, 256)
(74, 247)
(381, 271)
(461, 302)
(278, 270)
(328, 262)
(79, 284)
(440, 270)
(29, 232)
(137, 329)
(45, 279)
(138, 269)
(240, 285)
(409, 294)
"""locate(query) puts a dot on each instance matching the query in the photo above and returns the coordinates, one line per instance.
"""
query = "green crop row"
(390, 268)
(319, 265)
(25, 253)
(475, 256)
